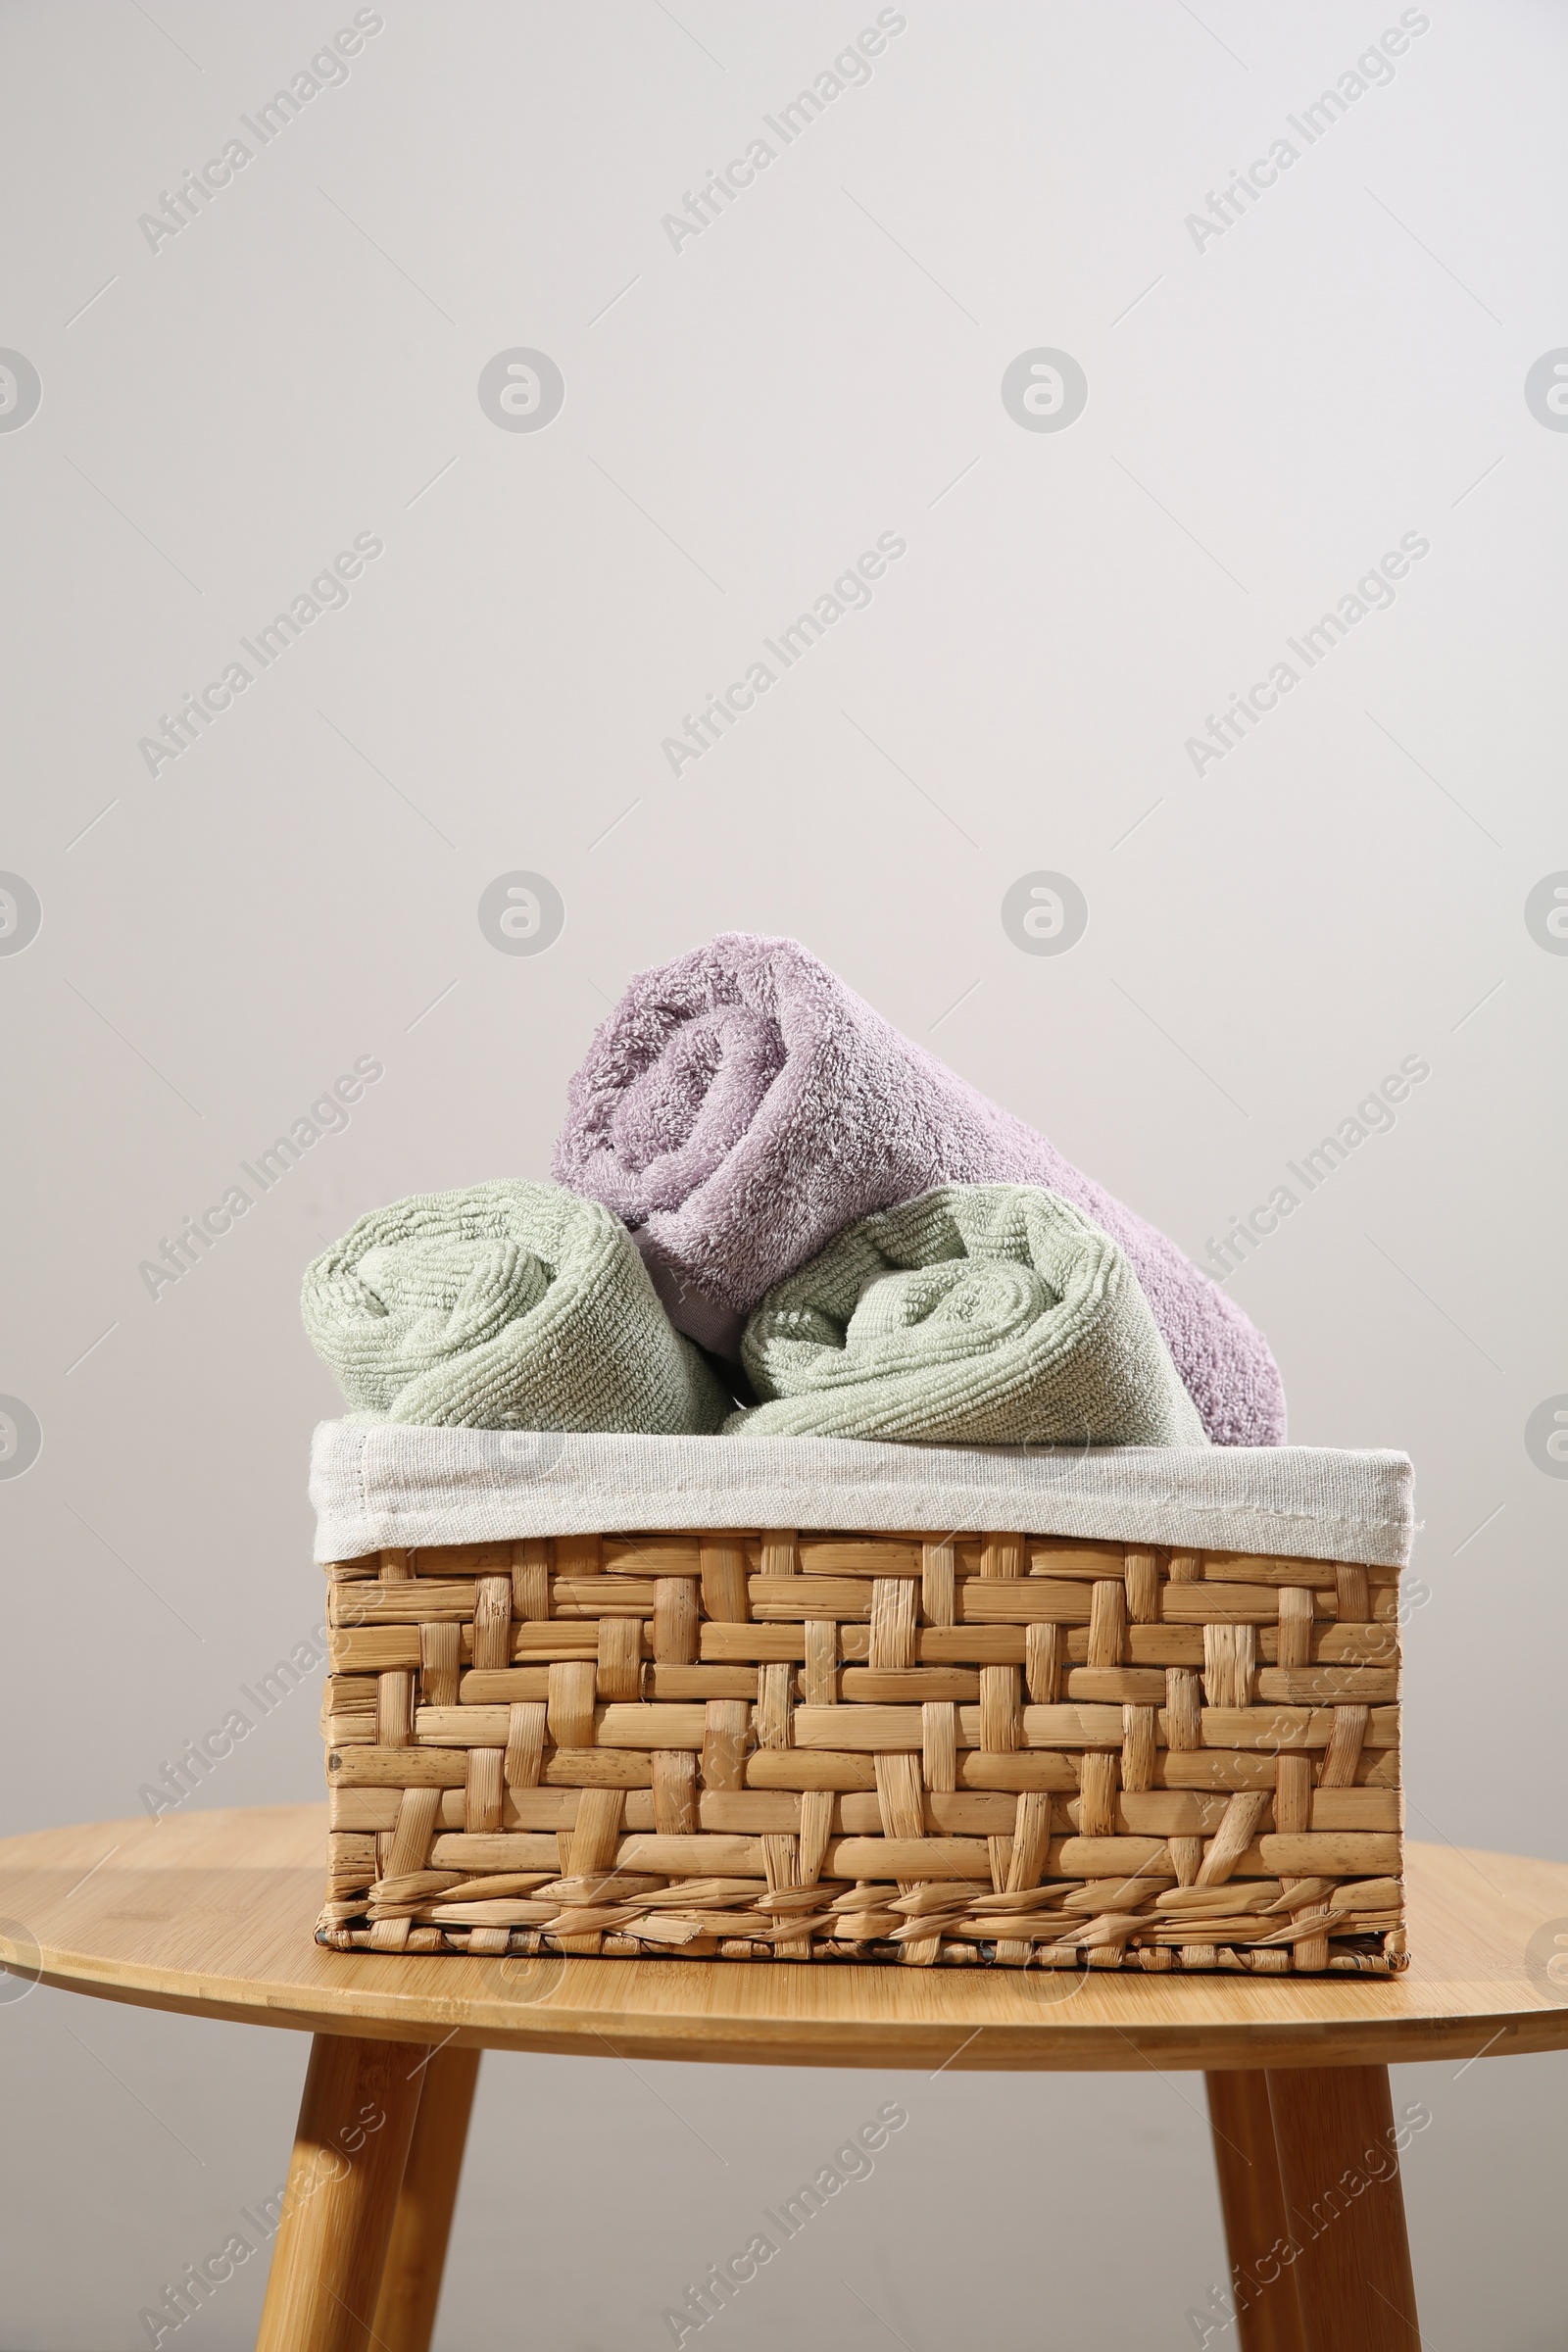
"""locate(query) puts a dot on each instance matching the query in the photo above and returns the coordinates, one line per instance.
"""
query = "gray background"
(1266, 417)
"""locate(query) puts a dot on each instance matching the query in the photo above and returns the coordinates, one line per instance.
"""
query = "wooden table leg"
(1251, 2198)
(1339, 2162)
(350, 2147)
(411, 2283)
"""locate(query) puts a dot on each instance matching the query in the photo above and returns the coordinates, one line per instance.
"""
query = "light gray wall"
(1269, 409)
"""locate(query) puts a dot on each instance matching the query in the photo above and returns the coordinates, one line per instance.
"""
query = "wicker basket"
(1011, 1750)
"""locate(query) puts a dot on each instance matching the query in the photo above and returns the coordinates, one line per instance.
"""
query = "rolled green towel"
(505, 1306)
(985, 1314)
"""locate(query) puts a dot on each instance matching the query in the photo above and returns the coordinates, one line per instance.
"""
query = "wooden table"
(211, 1913)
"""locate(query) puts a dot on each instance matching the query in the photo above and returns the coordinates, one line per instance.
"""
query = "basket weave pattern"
(1002, 1750)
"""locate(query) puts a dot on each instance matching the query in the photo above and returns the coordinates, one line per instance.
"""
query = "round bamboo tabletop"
(212, 1913)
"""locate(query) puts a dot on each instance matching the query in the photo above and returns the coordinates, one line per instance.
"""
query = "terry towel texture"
(396, 1486)
(741, 1105)
(988, 1314)
(503, 1306)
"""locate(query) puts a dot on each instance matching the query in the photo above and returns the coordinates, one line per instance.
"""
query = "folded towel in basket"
(986, 1314)
(509, 1305)
(741, 1105)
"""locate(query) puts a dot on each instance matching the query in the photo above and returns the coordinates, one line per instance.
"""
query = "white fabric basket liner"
(391, 1485)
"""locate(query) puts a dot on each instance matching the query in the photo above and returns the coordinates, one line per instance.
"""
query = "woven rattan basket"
(1013, 1751)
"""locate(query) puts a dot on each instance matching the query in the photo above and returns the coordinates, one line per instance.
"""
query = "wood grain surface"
(210, 1913)
(350, 2152)
(410, 2280)
(1251, 2196)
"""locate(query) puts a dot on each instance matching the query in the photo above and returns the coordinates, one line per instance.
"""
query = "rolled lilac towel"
(742, 1105)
